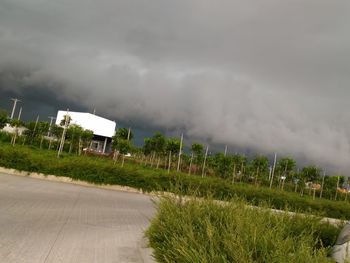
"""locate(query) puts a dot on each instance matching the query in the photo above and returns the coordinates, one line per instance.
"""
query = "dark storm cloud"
(269, 75)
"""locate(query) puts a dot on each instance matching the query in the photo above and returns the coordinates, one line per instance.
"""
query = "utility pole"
(14, 106)
(180, 152)
(322, 185)
(225, 150)
(336, 190)
(270, 171)
(63, 134)
(129, 134)
(273, 170)
(19, 114)
(205, 159)
(189, 170)
(49, 131)
(128, 138)
(169, 164)
(34, 130)
(51, 120)
(36, 123)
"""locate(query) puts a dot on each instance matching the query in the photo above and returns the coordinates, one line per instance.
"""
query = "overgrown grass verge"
(207, 232)
(103, 171)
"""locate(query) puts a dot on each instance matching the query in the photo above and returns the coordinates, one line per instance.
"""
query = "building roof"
(99, 125)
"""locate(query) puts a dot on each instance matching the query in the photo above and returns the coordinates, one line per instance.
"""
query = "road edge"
(65, 179)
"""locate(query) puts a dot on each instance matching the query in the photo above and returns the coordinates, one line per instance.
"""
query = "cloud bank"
(270, 76)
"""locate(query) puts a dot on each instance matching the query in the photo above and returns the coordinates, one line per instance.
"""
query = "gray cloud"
(272, 76)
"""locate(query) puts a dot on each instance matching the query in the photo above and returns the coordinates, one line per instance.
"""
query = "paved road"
(43, 221)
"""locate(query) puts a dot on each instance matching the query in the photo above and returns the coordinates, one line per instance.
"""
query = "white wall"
(100, 126)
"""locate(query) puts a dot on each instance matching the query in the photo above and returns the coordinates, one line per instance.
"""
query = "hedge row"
(103, 171)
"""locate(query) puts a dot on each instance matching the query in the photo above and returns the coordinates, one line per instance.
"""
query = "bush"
(5, 136)
(205, 231)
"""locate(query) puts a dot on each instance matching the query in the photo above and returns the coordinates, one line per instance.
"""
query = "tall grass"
(207, 232)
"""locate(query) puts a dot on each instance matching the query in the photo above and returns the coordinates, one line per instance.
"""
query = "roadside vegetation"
(100, 170)
(164, 162)
(204, 231)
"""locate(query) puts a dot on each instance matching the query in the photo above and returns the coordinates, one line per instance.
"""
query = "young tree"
(86, 137)
(123, 133)
(239, 162)
(311, 173)
(185, 160)
(285, 167)
(42, 129)
(260, 165)
(32, 130)
(79, 134)
(222, 165)
(124, 146)
(148, 146)
(121, 142)
(158, 142)
(15, 124)
(331, 184)
(197, 155)
(340, 181)
(73, 135)
(56, 132)
(172, 147)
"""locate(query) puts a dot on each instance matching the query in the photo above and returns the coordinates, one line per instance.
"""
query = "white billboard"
(99, 126)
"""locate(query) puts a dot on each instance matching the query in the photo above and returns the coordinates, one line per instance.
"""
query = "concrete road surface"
(43, 221)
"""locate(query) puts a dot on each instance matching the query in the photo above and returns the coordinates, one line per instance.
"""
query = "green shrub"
(205, 231)
(5, 136)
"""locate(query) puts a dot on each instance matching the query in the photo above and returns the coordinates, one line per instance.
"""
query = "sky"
(262, 76)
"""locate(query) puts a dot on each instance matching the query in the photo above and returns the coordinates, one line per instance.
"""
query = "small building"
(102, 128)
